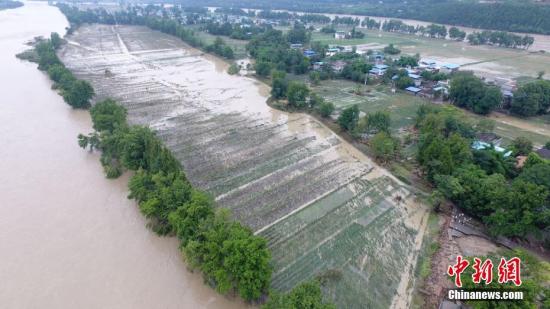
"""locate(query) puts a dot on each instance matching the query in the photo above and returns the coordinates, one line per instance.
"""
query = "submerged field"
(326, 210)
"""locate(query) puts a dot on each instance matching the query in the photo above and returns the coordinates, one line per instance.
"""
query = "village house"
(332, 51)
(449, 68)
(339, 35)
(338, 66)
(296, 46)
(309, 53)
(318, 65)
(378, 70)
(489, 138)
(413, 90)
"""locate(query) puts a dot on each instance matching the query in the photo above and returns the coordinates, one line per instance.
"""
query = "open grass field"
(402, 106)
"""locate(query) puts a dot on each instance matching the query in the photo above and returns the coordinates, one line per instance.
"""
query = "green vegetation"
(229, 255)
(532, 98)
(481, 182)
(233, 69)
(306, 295)
(77, 93)
(391, 50)
(470, 92)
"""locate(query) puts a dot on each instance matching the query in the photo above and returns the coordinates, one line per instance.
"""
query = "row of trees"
(483, 183)
(229, 255)
(500, 38)
(77, 93)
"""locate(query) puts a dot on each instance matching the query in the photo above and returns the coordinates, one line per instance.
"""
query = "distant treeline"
(507, 16)
(130, 17)
(7, 4)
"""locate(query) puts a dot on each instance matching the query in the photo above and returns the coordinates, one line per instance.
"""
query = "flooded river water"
(69, 238)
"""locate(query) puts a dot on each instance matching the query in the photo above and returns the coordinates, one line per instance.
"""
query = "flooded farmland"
(69, 238)
(325, 209)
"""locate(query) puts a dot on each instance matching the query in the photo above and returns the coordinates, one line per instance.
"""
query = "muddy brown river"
(69, 238)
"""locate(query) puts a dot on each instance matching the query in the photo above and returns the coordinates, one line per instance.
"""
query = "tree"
(538, 174)
(325, 109)
(490, 100)
(297, 93)
(306, 295)
(378, 121)
(467, 91)
(108, 116)
(263, 68)
(279, 87)
(349, 117)
(515, 209)
(55, 39)
(404, 82)
(383, 146)
(522, 146)
(79, 94)
(532, 98)
(392, 50)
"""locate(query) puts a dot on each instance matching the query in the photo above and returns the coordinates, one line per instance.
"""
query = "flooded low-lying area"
(325, 209)
(69, 238)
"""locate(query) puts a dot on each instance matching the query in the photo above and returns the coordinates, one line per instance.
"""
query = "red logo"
(508, 270)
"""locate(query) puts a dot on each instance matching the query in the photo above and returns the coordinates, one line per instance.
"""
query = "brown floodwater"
(69, 238)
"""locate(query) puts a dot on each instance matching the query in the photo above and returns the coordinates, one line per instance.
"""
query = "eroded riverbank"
(325, 208)
(69, 237)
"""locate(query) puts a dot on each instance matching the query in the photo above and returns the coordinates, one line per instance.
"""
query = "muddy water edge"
(70, 238)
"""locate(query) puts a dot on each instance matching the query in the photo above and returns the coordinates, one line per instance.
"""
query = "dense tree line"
(314, 18)
(235, 31)
(482, 182)
(77, 93)
(229, 255)
(272, 51)
(370, 23)
(515, 16)
(500, 38)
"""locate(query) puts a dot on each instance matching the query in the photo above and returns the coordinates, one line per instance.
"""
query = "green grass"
(402, 106)
(238, 46)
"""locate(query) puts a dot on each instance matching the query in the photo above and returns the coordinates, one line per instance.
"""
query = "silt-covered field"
(326, 210)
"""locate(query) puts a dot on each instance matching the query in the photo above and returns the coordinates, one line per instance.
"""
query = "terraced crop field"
(326, 209)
